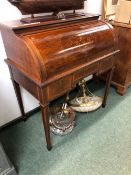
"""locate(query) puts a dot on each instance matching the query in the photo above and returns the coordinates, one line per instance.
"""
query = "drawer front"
(91, 69)
(59, 87)
(106, 64)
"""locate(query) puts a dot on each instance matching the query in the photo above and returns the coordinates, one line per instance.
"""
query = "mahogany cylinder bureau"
(48, 58)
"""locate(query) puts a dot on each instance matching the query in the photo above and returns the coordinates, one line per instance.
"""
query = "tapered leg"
(19, 98)
(107, 86)
(45, 117)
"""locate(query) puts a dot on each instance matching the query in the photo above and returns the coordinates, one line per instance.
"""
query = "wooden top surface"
(18, 24)
(120, 24)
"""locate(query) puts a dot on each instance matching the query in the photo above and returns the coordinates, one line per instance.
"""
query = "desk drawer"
(59, 87)
(106, 64)
(90, 69)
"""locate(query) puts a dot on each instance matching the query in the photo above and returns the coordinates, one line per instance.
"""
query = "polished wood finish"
(49, 60)
(122, 74)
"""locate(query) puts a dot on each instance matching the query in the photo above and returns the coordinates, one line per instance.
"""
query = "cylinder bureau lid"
(41, 6)
(70, 46)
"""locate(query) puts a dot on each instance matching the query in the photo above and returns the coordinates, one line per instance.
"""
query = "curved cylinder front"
(67, 47)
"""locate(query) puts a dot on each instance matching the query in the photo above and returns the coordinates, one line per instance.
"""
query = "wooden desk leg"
(18, 95)
(107, 86)
(45, 117)
(19, 98)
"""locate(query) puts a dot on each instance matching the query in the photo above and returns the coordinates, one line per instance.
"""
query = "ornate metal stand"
(86, 101)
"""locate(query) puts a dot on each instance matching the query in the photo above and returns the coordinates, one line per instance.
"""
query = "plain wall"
(9, 109)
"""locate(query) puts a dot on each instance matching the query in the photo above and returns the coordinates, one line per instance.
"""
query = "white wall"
(94, 6)
(9, 109)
